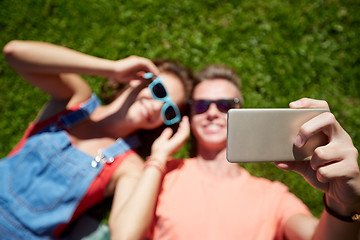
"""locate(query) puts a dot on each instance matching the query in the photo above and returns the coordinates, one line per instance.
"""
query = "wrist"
(159, 156)
(111, 69)
(341, 213)
(152, 162)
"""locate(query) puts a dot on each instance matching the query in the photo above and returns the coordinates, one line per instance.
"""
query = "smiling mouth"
(213, 128)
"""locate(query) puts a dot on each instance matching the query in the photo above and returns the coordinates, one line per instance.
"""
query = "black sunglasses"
(223, 105)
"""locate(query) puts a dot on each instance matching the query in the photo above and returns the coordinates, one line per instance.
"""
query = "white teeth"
(213, 127)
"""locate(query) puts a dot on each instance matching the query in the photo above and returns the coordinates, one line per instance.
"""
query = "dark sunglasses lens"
(170, 113)
(225, 105)
(200, 106)
(159, 90)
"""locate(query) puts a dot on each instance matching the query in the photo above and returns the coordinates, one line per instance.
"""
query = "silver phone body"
(267, 135)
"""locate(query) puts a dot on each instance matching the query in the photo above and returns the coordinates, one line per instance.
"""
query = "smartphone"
(267, 135)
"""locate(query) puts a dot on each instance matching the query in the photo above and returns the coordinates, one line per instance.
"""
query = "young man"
(206, 197)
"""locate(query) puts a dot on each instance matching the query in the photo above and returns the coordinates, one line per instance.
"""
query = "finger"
(324, 122)
(132, 65)
(184, 125)
(337, 170)
(304, 169)
(327, 154)
(309, 103)
(144, 64)
(168, 132)
(165, 135)
(184, 130)
(149, 66)
(331, 153)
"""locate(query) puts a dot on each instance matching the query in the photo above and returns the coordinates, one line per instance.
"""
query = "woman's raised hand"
(167, 143)
(127, 69)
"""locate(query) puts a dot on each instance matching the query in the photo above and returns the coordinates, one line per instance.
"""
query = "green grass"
(283, 50)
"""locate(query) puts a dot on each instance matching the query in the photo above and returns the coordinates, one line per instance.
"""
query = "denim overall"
(42, 184)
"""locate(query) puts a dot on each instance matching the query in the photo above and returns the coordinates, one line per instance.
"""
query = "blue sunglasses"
(170, 112)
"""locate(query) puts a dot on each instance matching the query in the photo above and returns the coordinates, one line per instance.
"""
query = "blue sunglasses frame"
(168, 102)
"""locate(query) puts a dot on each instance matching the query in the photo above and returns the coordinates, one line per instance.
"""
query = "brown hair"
(216, 71)
(183, 73)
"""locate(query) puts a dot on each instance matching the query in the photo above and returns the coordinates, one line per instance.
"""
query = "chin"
(215, 138)
(214, 143)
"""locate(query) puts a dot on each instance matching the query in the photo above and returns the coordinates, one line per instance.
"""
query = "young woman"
(77, 151)
(206, 197)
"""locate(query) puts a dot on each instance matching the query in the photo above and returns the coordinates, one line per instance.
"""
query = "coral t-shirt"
(195, 205)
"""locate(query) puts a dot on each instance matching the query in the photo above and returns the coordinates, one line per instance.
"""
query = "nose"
(213, 110)
(146, 92)
(156, 104)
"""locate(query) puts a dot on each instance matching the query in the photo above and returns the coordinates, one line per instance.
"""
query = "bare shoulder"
(133, 164)
(129, 171)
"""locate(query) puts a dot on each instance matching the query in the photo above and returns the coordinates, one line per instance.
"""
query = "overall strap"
(86, 108)
(120, 146)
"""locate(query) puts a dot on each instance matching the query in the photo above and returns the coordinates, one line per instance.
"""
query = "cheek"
(195, 123)
(177, 94)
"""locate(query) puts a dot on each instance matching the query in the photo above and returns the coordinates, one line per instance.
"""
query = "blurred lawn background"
(283, 50)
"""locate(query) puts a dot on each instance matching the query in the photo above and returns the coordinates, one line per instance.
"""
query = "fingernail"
(294, 104)
(299, 142)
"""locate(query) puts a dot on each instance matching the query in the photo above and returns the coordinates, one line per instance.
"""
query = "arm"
(54, 69)
(131, 219)
(333, 169)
